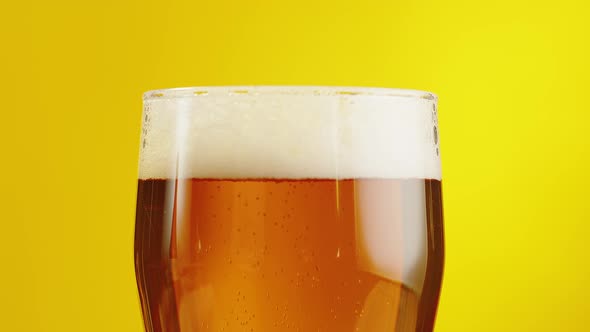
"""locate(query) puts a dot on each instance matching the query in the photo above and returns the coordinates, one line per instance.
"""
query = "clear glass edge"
(303, 90)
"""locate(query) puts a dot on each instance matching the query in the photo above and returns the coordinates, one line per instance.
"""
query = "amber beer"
(248, 220)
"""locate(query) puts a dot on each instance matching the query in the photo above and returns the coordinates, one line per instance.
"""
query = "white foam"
(289, 132)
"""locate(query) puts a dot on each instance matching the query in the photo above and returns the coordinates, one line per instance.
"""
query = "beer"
(267, 240)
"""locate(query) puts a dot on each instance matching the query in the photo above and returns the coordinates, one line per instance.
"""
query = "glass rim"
(295, 90)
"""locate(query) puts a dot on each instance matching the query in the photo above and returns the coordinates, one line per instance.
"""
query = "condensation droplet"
(435, 134)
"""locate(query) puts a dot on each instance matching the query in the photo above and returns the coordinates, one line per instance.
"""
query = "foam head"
(289, 132)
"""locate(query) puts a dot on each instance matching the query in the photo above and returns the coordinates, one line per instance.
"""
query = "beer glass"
(266, 208)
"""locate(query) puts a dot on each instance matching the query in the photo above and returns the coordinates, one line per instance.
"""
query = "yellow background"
(512, 77)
